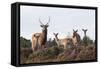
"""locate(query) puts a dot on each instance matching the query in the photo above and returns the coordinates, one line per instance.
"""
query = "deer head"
(75, 32)
(55, 34)
(44, 26)
(84, 30)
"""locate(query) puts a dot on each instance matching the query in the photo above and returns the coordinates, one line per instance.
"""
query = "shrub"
(87, 53)
(45, 54)
(56, 54)
(25, 43)
(65, 55)
(24, 54)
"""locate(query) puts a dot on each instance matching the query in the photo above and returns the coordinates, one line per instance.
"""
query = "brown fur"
(62, 42)
(76, 38)
(39, 39)
(35, 38)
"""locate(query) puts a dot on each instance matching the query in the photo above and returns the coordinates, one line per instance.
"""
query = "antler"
(48, 21)
(40, 21)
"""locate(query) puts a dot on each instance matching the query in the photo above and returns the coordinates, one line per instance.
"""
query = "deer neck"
(56, 38)
(57, 41)
(44, 35)
(85, 34)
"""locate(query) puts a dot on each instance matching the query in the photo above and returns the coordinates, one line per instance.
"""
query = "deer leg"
(32, 48)
(42, 47)
(65, 46)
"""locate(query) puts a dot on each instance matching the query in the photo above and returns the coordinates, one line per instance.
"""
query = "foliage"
(45, 54)
(24, 42)
(51, 43)
(53, 53)
(24, 54)
(87, 53)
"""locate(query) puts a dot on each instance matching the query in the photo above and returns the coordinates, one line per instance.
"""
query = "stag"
(62, 42)
(40, 40)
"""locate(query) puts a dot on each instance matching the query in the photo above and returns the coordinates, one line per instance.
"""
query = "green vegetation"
(55, 54)
(52, 53)
(24, 42)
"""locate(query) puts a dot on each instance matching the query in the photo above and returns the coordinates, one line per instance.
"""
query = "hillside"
(55, 54)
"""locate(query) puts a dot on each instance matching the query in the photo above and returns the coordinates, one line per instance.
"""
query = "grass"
(55, 54)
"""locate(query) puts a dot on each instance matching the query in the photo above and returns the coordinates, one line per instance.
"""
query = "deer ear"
(83, 29)
(77, 30)
(57, 34)
(41, 25)
(54, 33)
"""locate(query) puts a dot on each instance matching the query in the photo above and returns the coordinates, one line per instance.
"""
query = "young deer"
(35, 39)
(76, 38)
(85, 39)
(42, 38)
(84, 30)
(62, 42)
